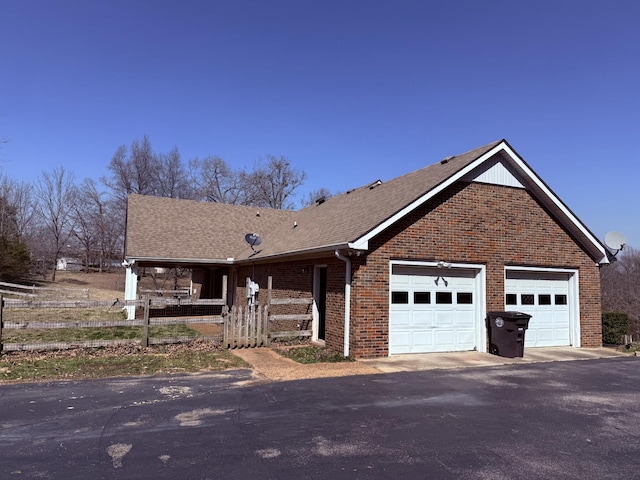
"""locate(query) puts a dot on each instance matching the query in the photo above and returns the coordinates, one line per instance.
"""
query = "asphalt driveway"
(572, 419)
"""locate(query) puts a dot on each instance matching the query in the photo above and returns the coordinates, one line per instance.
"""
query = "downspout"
(347, 300)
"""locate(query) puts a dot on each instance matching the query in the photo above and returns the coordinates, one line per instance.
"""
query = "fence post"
(224, 289)
(1, 320)
(145, 324)
(265, 327)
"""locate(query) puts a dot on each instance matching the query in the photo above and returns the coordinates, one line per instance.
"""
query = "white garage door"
(432, 309)
(544, 296)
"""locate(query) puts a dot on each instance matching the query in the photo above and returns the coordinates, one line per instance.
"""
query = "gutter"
(347, 300)
(296, 253)
(197, 261)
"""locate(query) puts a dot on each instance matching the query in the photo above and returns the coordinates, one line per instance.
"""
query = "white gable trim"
(362, 243)
(541, 185)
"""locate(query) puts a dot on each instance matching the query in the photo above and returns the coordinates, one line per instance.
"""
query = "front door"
(320, 302)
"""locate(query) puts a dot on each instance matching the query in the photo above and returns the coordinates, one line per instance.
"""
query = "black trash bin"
(506, 333)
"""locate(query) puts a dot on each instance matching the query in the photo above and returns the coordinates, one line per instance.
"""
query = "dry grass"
(107, 285)
(124, 360)
(102, 286)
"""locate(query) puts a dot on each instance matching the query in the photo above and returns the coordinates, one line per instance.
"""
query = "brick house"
(409, 265)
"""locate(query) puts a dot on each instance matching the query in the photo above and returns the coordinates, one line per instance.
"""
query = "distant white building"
(69, 264)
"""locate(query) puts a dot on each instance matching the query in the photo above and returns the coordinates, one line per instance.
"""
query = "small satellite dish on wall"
(615, 241)
(253, 239)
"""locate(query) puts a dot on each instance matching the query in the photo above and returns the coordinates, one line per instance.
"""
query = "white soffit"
(496, 174)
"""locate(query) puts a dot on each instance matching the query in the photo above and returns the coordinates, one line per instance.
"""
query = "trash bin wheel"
(493, 349)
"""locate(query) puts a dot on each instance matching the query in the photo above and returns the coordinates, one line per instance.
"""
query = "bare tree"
(99, 225)
(133, 171)
(316, 195)
(620, 283)
(215, 181)
(56, 196)
(272, 184)
(172, 178)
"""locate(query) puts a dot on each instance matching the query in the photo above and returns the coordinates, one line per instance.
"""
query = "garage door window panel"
(464, 298)
(444, 298)
(400, 298)
(527, 299)
(544, 299)
(421, 298)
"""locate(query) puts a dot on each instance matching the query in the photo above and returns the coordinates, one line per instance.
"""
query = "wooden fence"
(15, 289)
(303, 318)
(247, 327)
(251, 326)
(41, 318)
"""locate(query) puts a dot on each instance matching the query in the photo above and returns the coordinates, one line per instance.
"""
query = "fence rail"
(43, 325)
(33, 291)
(35, 323)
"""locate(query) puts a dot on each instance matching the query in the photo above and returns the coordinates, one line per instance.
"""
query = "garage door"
(432, 309)
(545, 296)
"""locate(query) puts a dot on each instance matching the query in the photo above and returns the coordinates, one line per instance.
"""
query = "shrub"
(614, 326)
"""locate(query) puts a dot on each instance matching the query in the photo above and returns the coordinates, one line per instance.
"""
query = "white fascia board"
(359, 244)
(362, 242)
(541, 185)
(297, 253)
(226, 261)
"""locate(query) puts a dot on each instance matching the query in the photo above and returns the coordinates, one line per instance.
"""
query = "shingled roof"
(170, 230)
(341, 220)
(182, 230)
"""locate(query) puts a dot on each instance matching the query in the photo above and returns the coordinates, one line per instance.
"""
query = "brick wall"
(295, 280)
(474, 223)
(468, 223)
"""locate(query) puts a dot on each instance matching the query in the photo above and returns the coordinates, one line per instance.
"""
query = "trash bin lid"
(510, 315)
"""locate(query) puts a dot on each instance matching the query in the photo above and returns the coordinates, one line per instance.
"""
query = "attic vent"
(446, 160)
(375, 184)
(320, 200)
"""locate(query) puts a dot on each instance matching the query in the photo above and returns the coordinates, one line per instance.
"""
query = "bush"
(14, 259)
(614, 326)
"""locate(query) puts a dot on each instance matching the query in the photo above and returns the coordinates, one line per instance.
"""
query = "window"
(400, 297)
(544, 299)
(527, 299)
(444, 297)
(421, 297)
(464, 298)
(561, 299)
(511, 299)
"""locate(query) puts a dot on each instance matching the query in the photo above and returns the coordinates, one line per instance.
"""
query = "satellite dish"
(253, 239)
(615, 240)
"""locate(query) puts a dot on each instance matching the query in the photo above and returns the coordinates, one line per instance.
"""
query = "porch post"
(131, 290)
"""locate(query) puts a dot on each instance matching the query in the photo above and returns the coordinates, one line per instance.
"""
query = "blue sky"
(349, 91)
